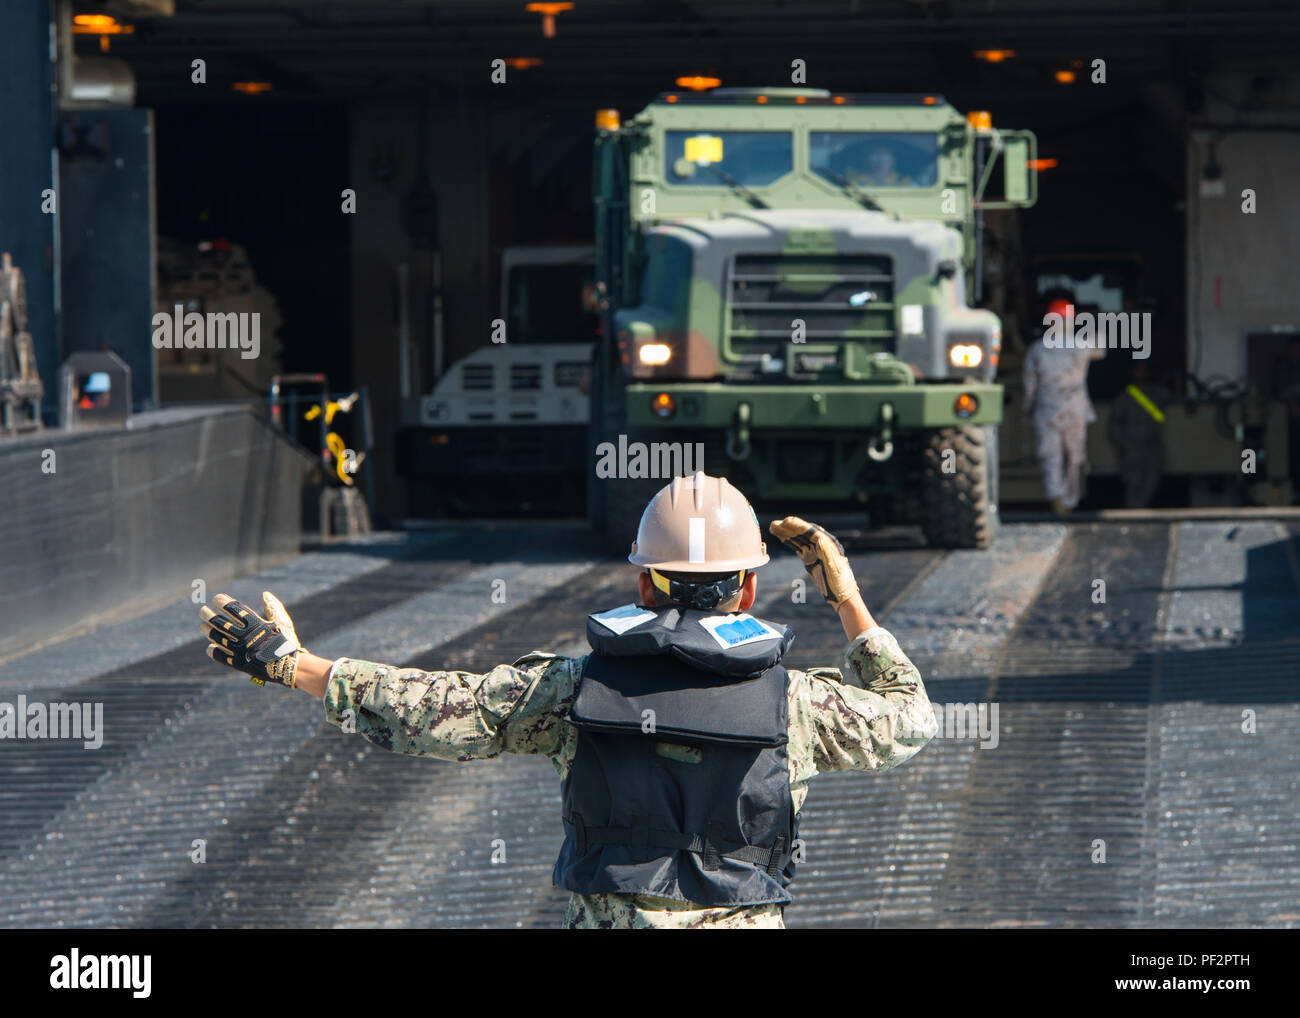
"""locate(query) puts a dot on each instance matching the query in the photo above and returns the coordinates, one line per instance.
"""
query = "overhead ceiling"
(613, 51)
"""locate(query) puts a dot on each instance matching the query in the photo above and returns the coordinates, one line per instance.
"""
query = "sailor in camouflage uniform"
(683, 746)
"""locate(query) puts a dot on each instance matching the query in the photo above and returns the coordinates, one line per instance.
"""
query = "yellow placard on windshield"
(704, 148)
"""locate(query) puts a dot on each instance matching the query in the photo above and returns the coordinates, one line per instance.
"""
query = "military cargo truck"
(785, 275)
(511, 417)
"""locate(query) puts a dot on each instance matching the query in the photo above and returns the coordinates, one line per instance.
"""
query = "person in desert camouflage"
(1056, 401)
(684, 747)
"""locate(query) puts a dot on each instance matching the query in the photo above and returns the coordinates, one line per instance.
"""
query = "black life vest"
(697, 809)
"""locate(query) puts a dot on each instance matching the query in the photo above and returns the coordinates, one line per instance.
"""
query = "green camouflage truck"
(784, 276)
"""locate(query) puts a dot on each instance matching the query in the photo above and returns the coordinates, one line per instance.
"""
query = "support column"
(27, 167)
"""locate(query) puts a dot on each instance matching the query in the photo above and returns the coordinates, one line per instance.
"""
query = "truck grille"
(838, 298)
(525, 376)
(476, 376)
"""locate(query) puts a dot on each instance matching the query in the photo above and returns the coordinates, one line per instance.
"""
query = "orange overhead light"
(994, 56)
(981, 120)
(698, 82)
(102, 25)
(800, 100)
(251, 87)
(1043, 164)
(607, 120)
(670, 98)
(839, 100)
(760, 99)
(99, 24)
(548, 11)
(522, 63)
(1064, 77)
(930, 100)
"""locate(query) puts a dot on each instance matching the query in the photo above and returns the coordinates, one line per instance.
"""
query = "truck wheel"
(959, 507)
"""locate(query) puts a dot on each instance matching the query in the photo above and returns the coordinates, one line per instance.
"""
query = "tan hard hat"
(699, 524)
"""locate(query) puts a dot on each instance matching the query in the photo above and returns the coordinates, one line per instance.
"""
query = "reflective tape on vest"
(1141, 398)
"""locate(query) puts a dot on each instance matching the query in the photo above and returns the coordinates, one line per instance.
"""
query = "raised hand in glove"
(265, 648)
(822, 555)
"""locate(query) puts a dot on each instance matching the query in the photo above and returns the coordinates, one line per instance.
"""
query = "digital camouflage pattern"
(870, 715)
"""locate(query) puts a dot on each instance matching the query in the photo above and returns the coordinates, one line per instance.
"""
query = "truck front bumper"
(812, 408)
(491, 451)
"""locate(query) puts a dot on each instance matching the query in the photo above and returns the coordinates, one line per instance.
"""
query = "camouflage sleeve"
(456, 715)
(871, 716)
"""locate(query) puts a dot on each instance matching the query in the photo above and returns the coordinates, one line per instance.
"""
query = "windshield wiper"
(852, 190)
(737, 187)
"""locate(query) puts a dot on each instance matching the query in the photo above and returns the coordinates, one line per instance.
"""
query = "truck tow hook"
(882, 446)
(738, 434)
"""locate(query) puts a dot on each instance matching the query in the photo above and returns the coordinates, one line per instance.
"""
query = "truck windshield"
(873, 159)
(727, 158)
(552, 304)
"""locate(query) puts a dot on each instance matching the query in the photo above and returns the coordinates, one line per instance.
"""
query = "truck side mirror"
(1015, 171)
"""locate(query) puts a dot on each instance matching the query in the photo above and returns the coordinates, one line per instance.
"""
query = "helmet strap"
(704, 596)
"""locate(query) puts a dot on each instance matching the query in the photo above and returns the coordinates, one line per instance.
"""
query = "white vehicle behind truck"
(506, 426)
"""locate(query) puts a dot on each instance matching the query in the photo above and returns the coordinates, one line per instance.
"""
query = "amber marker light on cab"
(965, 405)
(663, 405)
(698, 83)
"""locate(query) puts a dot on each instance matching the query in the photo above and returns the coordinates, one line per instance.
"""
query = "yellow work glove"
(822, 555)
(264, 648)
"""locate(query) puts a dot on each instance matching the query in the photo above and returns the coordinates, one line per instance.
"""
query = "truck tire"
(959, 508)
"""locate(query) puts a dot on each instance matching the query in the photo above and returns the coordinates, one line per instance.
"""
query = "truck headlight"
(966, 355)
(654, 354)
